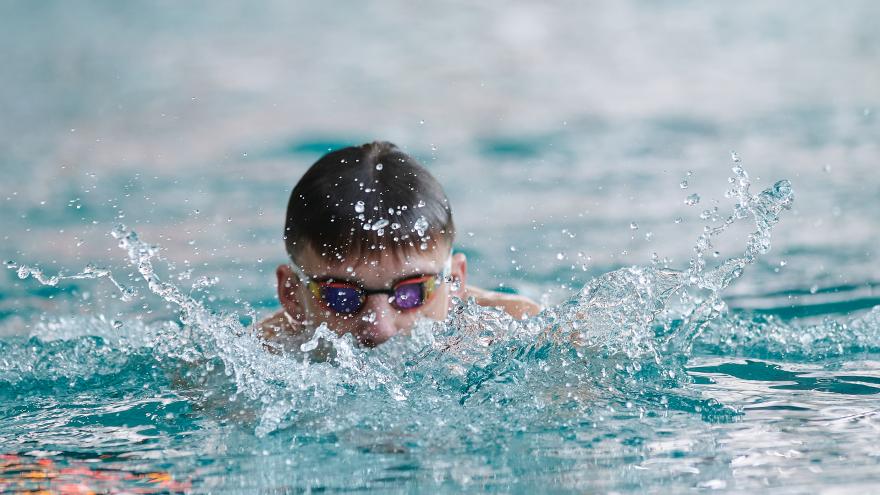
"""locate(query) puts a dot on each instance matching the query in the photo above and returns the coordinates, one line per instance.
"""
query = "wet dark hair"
(365, 200)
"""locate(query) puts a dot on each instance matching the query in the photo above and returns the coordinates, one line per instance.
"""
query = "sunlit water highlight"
(635, 380)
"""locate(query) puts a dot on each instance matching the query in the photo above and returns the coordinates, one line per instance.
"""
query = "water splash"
(623, 333)
(769, 337)
(88, 273)
(277, 382)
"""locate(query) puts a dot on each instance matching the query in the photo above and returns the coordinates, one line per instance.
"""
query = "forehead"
(382, 266)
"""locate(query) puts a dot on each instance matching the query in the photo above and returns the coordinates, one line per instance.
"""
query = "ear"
(459, 272)
(290, 293)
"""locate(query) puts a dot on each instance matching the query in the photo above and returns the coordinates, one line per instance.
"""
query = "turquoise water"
(148, 154)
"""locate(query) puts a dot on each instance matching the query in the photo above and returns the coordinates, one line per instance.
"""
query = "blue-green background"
(554, 127)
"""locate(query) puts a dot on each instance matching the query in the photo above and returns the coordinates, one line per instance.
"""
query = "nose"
(377, 322)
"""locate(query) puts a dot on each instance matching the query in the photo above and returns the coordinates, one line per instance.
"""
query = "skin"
(378, 320)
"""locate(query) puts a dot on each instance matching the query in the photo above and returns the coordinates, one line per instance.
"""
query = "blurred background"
(564, 133)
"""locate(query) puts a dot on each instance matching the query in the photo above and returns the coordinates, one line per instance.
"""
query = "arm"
(519, 307)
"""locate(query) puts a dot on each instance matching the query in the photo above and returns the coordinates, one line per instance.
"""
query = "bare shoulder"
(518, 306)
(278, 331)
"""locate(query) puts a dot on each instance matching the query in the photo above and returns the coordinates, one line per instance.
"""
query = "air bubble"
(692, 199)
(359, 207)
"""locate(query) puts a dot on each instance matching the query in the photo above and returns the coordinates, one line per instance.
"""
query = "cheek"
(438, 307)
(338, 323)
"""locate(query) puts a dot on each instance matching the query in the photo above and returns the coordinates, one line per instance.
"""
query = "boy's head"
(364, 219)
(361, 201)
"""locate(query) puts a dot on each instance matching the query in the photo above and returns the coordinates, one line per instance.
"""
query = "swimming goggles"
(347, 297)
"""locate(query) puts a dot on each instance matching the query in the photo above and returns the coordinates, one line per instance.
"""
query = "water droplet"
(379, 166)
(735, 157)
(633, 226)
(359, 207)
(421, 122)
(649, 236)
(513, 249)
(421, 204)
(677, 220)
(421, 226)
(423, 246)
(683, 184)
(380, 224)
(692, 199)
(127, 294)
(23, 272)
(117, 324)
(560, 256)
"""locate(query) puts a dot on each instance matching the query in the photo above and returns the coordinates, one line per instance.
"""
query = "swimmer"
(369, 234)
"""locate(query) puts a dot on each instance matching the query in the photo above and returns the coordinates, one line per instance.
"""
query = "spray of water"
(619, 332)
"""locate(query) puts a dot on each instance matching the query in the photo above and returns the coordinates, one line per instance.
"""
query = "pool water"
(149, 152)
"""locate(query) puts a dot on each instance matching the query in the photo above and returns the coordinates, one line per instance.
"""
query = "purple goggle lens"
(348, 298)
